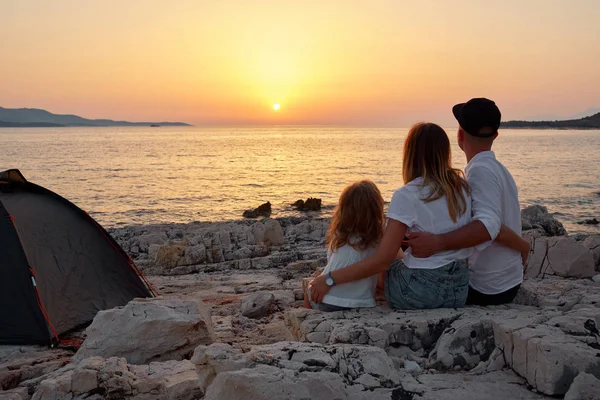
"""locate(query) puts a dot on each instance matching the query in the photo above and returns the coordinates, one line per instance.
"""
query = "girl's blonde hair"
(358, 218)
(427, 154)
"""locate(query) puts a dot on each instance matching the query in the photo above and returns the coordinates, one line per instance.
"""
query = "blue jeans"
(413, 289)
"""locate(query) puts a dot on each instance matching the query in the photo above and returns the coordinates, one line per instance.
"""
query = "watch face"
(329, 282)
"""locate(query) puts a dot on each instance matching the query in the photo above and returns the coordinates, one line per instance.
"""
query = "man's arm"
(425, 244)
(509, 238)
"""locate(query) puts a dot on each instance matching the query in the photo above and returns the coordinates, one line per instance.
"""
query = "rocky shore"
(228, 326)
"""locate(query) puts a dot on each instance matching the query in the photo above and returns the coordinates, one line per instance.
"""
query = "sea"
(148, 175)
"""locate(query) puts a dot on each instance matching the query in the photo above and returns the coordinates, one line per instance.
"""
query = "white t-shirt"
(352, 294)
(408, 207)
(495, 201)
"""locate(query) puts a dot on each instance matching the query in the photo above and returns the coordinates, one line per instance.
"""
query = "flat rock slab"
(293, 370)
(313, 371)
(148, 330)
(547, 347)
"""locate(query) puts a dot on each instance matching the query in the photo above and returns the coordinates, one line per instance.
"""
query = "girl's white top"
(408, 207)
(352, 294)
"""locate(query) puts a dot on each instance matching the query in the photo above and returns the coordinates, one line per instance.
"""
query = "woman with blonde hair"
(435, 198)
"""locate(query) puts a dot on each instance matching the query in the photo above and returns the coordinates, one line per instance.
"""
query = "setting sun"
(276, 107)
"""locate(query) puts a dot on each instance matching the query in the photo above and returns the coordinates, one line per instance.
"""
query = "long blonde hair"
(427, 154)
(358, 218)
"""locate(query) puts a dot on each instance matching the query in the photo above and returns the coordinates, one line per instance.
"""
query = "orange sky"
(377, 62)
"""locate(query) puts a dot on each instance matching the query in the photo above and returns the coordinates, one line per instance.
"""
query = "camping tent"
(58, 267)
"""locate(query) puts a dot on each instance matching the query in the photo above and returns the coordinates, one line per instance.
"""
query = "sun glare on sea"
(276, 107)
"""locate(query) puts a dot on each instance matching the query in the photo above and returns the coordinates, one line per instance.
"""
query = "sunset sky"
(377, 62)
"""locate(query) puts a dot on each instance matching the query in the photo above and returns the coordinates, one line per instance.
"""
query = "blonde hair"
(358, 218)
(427, 154)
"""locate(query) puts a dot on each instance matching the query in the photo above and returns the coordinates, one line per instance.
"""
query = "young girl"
(354, 233)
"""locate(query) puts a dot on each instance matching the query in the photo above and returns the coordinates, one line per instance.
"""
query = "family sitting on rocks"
(462, 230)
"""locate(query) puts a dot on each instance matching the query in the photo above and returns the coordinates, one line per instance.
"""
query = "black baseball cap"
(477, 114)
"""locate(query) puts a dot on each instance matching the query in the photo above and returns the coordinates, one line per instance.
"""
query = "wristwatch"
(329, 280)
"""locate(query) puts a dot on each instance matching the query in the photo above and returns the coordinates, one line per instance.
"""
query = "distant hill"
(33, 117)
(591, 122)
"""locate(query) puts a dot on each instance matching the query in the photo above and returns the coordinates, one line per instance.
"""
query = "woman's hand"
(318, 289)
(525, 250)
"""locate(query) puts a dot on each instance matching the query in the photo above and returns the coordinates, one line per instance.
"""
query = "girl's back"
(353, 294)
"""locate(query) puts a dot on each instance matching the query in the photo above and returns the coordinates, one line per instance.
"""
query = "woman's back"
(408, 207)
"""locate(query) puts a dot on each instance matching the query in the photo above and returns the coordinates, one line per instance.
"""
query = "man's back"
(494, 268)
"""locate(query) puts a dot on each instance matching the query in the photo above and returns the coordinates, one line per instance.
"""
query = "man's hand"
(423, 244)
(318, 289)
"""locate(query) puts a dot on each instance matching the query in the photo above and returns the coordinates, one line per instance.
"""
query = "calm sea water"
(151, 175)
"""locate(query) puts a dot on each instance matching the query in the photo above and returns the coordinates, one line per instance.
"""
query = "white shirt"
(352, 294)
(494, 268)
(408, 207)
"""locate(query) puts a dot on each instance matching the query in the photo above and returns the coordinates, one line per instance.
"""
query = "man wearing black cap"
(499, 252)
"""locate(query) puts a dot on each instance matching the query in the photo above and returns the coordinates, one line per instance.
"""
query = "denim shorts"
(413, 289)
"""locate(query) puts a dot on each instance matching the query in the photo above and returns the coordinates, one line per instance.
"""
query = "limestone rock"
(194, 254)
(170, 255)
(592, 242)
(168, 329)
(273, 233)
(545, 356)
(311, 204)
(465, 343)
(412, 367)
(264, 210)
(257, 305)
(375, 327)
(560, 256)
(84, 380)
(537, 216)
(292, 370)
(584, 387)
(267, 383)
(176, 379)
(145, 241)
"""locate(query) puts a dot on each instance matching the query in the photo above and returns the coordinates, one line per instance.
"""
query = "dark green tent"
(58, 266)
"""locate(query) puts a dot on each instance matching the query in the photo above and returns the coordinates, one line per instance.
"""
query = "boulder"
(264, 210)
(171, 254)
(168, 330)
(273, 233)
(145, 241)
(561, 256)
(257, 305)
(548, 355)
(311, 204)
(584, 387)
(592, 242)
(592, 221)
(466, 343)
(293, 370)
(537, 217)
